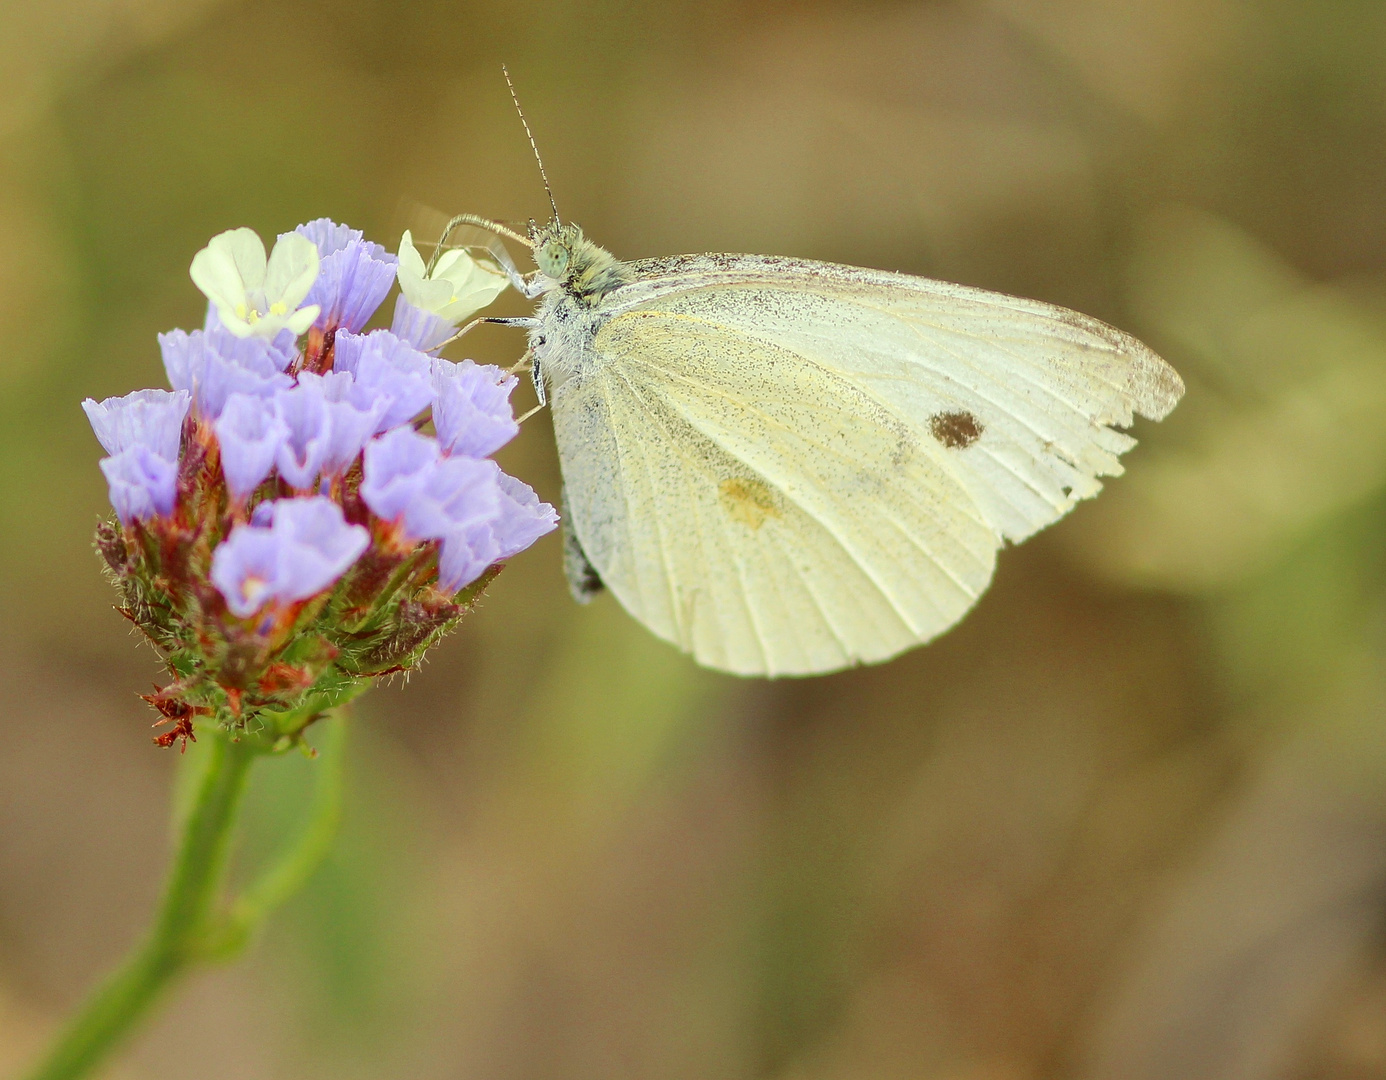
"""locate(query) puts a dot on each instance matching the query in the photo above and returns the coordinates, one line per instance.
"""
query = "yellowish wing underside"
(758, 511)
(787, 468)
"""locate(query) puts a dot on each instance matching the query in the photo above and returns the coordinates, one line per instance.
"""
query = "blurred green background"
(1127, 821)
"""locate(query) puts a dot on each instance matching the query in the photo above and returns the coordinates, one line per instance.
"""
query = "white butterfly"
(788, 467)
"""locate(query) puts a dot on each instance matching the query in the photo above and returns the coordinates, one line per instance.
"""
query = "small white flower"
(459, 285)
(256, 298)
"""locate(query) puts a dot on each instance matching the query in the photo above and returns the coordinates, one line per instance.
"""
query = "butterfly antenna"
(545, 176)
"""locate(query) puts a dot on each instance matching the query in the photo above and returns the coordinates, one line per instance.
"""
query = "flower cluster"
(286, 530)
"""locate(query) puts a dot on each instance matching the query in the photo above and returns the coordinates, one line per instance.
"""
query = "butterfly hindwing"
(762, 514)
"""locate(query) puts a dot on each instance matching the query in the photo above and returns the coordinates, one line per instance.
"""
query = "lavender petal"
(397, 466)
(354, 275)
(149, 418)
(250, 433)
(389, 370)
(142, 484)
(471, 407)
(303, 452)
(422, 329)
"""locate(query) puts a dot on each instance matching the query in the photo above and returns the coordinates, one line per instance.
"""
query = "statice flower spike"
(255, 297)
(471, 407)
(279, 556)
(304, 547)
(269, 609)
(142, 484)
(152, 419)
(353, 278)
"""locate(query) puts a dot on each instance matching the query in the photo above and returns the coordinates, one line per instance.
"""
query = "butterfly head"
(575, 264)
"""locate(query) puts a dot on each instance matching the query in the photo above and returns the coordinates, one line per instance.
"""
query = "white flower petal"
(215, 273)
(410, 260)
(238, 327)
(455, 265)
(459, 285)
(247, 252)
(413, 282)
(301, 319)
(473, 287)
(292, 269)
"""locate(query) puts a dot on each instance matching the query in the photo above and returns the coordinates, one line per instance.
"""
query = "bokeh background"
(1126, 822)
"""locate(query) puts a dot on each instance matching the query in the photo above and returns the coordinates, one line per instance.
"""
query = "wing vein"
(871, 571)
(697, 467)
(659, 525)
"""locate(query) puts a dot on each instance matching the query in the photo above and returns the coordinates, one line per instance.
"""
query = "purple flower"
(524, 518)
(250, 433)
(459, 493)
(352, 416)
(303, 546)
(245, 569)
(307, 441)
(471, 407)
(247, 352)
(353, 277)
(422, 329)
(142, 483)
(407, 482)
(214, 364)
(396, 468)
(152, 419)
(521, 520)
(389, 370)
(320, 545)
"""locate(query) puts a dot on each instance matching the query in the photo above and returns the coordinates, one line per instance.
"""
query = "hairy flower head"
(285, 533)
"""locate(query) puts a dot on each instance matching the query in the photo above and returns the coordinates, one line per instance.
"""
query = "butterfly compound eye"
(552, 259)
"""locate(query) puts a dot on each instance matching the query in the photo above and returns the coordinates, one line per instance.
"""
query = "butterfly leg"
(526, 323)
(529, 362)
(538, 380)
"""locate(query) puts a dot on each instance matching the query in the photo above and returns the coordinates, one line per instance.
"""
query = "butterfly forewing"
(788, 467)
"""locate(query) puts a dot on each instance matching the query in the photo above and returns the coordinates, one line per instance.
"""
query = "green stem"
(182, 923)
(292, 869)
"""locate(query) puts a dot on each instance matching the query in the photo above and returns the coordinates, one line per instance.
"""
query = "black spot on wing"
(956, 430)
